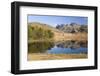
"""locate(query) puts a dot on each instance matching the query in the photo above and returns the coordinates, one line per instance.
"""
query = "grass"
(60, 37)
(41, 40)
(39, 56)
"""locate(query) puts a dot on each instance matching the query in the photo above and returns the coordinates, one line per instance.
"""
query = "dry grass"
(70, 36)
(36, 56)
(64, 37)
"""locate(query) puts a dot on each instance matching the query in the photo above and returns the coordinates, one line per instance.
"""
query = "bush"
(39, 33)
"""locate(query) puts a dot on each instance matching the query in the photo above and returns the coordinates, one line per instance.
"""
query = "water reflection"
(72, 44)
(40, 47)
(61, 47)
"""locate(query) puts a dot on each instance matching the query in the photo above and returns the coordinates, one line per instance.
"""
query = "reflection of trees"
(72, 44)
(42, 47)
(39, 47)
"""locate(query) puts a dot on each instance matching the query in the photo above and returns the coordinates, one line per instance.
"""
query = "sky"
(54, 20)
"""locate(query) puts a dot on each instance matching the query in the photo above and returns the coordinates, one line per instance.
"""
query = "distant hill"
(37, 24)
(44, 26)
(72, 28)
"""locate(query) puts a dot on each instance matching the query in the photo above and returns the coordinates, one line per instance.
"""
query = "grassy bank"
(38, 56)
(65, 37)
(70, 36)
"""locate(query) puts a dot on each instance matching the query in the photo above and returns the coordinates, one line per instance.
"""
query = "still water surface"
(62, 47)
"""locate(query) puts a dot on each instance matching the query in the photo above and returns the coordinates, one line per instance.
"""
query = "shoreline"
(51, 40)
(39, 56)
(66, 37)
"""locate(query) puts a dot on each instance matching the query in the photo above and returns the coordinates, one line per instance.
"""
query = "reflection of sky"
(54, 20)
(59, 50)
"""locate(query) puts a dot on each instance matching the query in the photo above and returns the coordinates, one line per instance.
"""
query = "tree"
(39, 33)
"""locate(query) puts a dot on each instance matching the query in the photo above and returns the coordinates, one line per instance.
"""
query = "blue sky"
(54, 20)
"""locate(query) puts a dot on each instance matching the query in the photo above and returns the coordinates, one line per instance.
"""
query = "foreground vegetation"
(38, 56)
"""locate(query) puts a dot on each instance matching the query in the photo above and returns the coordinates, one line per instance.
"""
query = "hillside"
(41, 31)
(44, 26)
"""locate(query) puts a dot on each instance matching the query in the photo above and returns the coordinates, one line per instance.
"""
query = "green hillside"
(38, 31)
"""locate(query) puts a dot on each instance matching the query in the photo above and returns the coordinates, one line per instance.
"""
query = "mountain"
(72, 28)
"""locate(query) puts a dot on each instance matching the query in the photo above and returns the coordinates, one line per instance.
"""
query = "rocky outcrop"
(72, 28)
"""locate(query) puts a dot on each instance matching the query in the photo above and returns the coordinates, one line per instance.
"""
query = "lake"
(61, 47)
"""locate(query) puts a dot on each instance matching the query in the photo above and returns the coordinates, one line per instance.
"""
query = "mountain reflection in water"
(61, 47)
